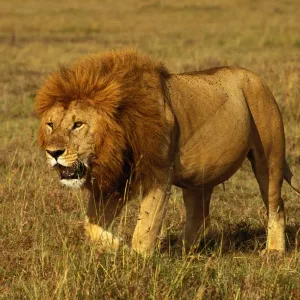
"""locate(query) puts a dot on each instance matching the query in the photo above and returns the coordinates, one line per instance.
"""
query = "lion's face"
(68, 138)
(103, 121)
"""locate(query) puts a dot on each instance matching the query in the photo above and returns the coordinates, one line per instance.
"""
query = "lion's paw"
(102, 238)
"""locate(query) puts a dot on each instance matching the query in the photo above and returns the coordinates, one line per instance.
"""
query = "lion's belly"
(210, 161)
(208, 169)
(214, 151)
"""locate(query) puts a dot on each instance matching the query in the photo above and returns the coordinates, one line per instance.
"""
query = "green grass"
(43, 254)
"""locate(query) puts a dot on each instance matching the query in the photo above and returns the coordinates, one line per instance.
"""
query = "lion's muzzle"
(72, 172)
(55, 154)
(73, 176)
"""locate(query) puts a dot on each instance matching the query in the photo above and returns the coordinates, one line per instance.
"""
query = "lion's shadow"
(239, 237)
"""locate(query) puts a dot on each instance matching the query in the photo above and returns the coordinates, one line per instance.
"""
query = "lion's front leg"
(100, 215)
(152, 211)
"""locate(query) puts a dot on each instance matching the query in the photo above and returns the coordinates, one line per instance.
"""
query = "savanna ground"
(43, 254)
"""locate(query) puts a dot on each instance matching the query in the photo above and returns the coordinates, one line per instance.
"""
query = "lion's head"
(101, 118)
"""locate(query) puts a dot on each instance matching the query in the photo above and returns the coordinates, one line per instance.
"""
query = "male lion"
(119, 121)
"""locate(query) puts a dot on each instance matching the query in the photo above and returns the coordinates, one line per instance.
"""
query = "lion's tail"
(290, 178)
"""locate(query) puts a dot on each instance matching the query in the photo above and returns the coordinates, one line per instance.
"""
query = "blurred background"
(37, 36)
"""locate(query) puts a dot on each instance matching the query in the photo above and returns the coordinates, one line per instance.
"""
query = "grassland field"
(43, 254)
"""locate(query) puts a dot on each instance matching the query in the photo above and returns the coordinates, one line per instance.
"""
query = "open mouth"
(76, 171)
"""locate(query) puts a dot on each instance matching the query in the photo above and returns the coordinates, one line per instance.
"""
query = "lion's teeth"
(75, 171)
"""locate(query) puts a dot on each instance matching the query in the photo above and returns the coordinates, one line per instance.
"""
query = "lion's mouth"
(76, 171)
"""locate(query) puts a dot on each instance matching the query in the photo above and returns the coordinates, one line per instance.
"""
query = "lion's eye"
(50, 124)
(77, 125)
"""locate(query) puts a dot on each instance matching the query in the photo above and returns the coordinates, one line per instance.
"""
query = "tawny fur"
(192, 130)
(125, 87)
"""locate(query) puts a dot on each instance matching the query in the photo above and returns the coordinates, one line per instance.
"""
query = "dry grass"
(42, 252)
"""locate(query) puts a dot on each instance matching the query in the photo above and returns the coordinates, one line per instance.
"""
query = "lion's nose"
(55, 154)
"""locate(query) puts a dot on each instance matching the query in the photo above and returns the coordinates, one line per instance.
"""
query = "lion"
(119, 124)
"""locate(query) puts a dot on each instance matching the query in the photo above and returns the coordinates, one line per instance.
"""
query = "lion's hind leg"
(267, 155)
(197, 216)
(269, 175)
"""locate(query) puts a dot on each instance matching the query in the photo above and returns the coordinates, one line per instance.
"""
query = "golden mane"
(129, 89)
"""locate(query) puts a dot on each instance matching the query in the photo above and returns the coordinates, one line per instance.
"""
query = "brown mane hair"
(129, 89)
